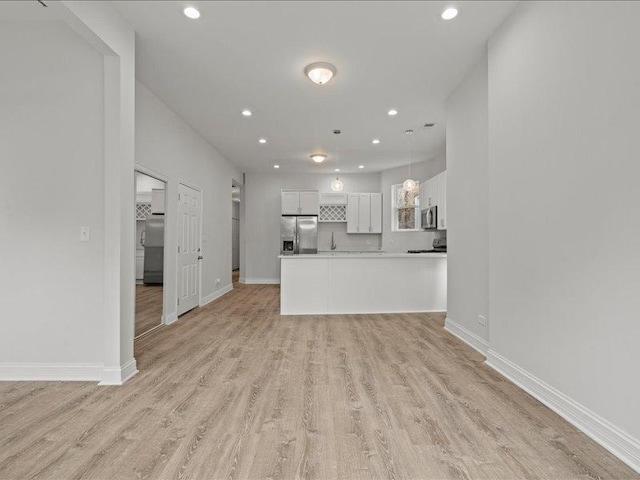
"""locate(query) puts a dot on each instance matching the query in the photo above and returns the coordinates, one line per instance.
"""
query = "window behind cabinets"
(405, 209)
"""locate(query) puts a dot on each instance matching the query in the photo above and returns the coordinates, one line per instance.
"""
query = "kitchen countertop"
(365, 255)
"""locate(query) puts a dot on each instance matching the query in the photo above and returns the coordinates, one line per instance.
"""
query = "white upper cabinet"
(429, 193)
(376, 213)
(290, 202)
(300, 203)
(353, 209)
(364, 213)
(333, 199)
(309, 203)
(442, 201)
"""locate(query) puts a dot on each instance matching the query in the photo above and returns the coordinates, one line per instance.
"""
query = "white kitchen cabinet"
(299, 203)
(376, 213)
(333, 199)
(309, 203)
(429, 192)
(353, 209)
(157, 201)
(364, 213)
(442, 201)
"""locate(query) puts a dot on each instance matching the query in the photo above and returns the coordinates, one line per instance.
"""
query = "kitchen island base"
(351, 284)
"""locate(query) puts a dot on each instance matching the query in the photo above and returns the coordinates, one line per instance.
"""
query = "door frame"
(177, 204)
(165, 260)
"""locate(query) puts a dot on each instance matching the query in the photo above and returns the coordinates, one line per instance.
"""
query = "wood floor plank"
(233, 390)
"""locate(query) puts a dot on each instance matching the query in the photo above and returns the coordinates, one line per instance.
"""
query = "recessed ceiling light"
(450, 13)
(262, 140)
(392, 112)
(318, 157)
(320, 72)
(336, 169)
(246, 113)
(276, 166)
(375, 141)
(361, 166)
(192, 12)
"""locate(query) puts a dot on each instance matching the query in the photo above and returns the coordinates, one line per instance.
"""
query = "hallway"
(234, 390)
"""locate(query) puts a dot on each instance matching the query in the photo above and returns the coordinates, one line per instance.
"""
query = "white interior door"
(189, 248)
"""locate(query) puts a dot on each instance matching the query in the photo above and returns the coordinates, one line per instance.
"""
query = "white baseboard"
(262, 281)
(118, 375)
(621, 444)
(467, 336)
(242, 280)
(170, 318)
(216, 294)
(50, 372)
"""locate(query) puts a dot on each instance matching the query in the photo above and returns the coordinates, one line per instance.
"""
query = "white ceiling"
(251, 54)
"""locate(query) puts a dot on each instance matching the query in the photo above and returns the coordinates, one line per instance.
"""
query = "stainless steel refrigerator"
(298, 235)
(154, 250)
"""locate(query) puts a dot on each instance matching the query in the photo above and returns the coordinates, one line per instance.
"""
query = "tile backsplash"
(344, 242)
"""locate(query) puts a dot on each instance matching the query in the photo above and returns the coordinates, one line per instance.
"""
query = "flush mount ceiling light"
(320, 72)
(192, 13)
(276, 166)
(360, 166)
(375, 141)
(262, 140)
(393, 112)
(449, 13)
(247, 113)
(318, 157)
(336, 169)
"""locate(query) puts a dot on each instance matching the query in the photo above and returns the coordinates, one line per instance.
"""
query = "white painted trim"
(50, 372)
(117, 376)
(262, 281)
(171, 318)
(618, 442)
(467, 336)
(217, 294)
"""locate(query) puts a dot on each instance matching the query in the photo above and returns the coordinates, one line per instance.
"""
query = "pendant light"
(337, 185)
(409, 184)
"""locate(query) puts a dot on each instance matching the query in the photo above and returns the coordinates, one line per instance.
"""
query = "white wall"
(262, 218)
(168, 146)
(467, 203)
(564, 111)
(52, 182)
(400, 242)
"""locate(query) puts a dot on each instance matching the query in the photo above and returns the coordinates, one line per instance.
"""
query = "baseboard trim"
(215, 295)
(621, 444)
(170, 318)
(262, 281)
(467, 336)
(119, 375)
(50, 372)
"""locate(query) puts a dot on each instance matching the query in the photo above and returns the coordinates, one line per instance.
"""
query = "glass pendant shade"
(409, 185)
(337, 185)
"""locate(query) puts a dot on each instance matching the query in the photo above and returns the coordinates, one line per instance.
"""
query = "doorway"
(150, 240)
(235, 233)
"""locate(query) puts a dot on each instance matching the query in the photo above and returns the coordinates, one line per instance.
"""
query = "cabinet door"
(333, 199)
(290, 203)
(376, 213)
(309, 203)
(353, 209)
(364, 213)
(442, 201)
(432, 191)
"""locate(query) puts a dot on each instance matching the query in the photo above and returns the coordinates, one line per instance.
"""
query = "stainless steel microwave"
(429, 218)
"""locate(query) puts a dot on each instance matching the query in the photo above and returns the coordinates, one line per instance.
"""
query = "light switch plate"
(482, 320)
(85, 234)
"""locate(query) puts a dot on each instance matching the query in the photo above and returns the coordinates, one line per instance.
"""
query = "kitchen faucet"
(333, 244)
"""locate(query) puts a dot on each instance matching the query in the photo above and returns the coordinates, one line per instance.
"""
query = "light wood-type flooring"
(235, 391)
(148, 307)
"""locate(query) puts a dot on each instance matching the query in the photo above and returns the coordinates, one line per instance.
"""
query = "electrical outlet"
(482, 320)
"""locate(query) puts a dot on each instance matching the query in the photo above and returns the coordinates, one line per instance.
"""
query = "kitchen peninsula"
(351, 283)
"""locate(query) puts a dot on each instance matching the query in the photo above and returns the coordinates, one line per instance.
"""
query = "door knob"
(200, 257)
